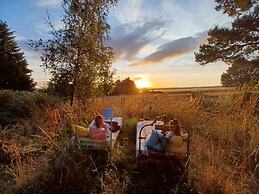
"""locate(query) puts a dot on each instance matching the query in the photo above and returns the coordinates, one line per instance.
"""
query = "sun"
(142, 83)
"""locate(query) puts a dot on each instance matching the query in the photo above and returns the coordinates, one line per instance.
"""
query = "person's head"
(175, 127)
(99, 121)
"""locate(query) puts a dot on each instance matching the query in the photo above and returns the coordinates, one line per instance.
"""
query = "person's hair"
(175, 126)
(98, 120)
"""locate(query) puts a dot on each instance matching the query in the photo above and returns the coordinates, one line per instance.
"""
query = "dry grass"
(225, 135)
(224, 147)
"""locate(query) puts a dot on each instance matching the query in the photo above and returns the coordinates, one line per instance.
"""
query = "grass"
(35, 155)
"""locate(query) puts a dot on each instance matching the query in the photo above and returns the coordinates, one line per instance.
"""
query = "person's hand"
(115, 128)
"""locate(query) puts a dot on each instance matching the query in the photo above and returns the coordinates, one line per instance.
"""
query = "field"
(207, 89)
(35, 156)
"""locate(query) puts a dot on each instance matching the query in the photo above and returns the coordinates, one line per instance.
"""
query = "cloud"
(173, 49)
(46, 3)
(128, 39)
(129, 10)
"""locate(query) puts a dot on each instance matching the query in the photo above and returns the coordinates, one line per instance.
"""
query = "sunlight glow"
(142, 83)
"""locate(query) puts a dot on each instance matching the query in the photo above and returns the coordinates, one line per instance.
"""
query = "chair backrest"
(107, 113)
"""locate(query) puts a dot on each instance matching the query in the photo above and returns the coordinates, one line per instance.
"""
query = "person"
(176, 128)
(161, 136)
(99, 129)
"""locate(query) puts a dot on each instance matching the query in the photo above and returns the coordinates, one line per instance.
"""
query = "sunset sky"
(153, 40)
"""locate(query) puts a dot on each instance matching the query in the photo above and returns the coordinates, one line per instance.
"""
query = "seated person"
(99, 129)
(159, 141)
(164, 136)
(173, 126)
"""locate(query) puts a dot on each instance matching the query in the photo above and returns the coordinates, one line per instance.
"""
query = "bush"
(15, 105)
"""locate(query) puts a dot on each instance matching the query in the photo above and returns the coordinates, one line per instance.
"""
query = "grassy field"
(205, 89)
(35, 156)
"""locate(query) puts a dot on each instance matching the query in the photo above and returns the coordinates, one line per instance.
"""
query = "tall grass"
(225, 135)
(36, 156)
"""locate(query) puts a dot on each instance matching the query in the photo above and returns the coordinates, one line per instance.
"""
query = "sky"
(153, 40)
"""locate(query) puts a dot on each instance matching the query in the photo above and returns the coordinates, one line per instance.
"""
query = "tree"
(59, 84)
(236, 45)
(125, 87)
(14, 74)
(78, 50)
(241, 73)
(234, 7)
(105, 83)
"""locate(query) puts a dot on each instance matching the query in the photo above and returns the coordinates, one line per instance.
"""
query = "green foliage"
(125, 87)
(15, 104)
(59, 85)
(14, 73)
(78, 53)
(236, 45)
(236, 8)
(230, 45)
(241, 73)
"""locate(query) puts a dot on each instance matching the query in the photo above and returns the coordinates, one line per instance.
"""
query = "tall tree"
(236, 45)
(14, 73)
(79, 51)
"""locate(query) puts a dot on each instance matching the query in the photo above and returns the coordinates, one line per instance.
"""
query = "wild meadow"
(36, 155)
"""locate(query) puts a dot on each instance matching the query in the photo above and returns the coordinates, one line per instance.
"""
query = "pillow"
(176, 141)
(182, 149)
(178, 146)
(185, 136)
(80, 131)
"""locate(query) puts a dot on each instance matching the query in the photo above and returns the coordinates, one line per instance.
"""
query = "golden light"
(142, 83)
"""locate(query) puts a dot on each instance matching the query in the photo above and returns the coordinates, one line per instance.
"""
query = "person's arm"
(106, 126)
(159, 127)
(92, 125)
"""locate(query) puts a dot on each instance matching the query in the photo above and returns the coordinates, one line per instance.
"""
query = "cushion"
(176, 141)
(80, 131)
(178, 145)
(185, 136)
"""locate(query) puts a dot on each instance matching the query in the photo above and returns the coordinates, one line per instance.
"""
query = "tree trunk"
(72, 97)
(73, 91)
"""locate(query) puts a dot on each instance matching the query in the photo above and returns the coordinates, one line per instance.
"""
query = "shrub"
(15, 105)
